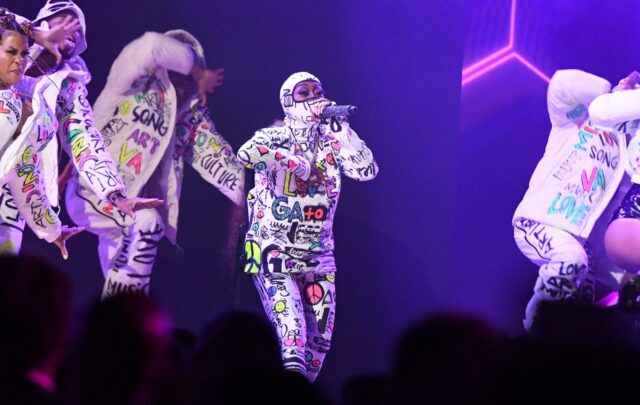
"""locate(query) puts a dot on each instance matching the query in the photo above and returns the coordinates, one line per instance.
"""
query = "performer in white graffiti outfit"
(621, 111)
(289, 244)
(569, 191)
(20, 158)
(60, 105)
(152, 116)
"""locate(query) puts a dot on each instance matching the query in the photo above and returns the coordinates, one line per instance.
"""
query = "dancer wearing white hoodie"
(58, 96)
(20, 158)
(572, 186)
(153, 119)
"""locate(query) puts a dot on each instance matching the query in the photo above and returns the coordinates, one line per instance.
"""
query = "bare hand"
(207, 83)
(130, 205)
(318, 107)
(51, 39)
(630, 82)
(316, 178)
(65, 234)
(627, 277)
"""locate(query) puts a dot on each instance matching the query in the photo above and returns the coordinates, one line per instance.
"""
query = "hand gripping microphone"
(338, 110)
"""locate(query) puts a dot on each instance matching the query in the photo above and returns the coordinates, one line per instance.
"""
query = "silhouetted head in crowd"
(367, 389)
(237, 360)
(574, 354)
(571, 323)
(34, 320)
(238, 343)
(447, 359)
(125, 352)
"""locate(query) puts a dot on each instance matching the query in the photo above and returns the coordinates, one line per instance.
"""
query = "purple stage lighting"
(500, 57)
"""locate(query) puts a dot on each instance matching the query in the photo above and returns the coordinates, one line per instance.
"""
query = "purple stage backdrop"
(452, 103)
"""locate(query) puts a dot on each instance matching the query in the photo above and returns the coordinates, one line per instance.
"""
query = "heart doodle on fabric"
(330, 159)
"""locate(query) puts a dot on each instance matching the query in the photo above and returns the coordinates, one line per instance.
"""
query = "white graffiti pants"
(126, 248)
(301, 307)
(11, 223)
(565, 272)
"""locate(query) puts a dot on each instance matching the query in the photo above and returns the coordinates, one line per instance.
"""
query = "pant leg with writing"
(564, 265)
(127, 248)
(11, 223)
(301, 308)
(318, 293)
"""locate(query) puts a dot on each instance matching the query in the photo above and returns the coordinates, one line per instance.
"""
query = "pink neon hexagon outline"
(500, 57)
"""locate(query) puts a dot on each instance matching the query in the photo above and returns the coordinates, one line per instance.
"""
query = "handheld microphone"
(338, 110)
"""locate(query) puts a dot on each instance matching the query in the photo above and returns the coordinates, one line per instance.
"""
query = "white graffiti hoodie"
(290, 219)
(62, 95)
(21, 165)
(150, 136)
(583, 162)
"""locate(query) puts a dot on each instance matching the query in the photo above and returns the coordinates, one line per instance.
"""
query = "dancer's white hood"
(53, 7)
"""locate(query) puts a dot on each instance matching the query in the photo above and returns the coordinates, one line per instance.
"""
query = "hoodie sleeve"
(615, 110)
(569, 94)
(260, 153)
(84, 143)
(149, 52)
(610, 109)
(27, 189)
(209, 153)
(352, 154)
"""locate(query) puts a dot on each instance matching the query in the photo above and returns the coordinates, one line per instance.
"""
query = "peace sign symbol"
(253, 257)
(313, 293)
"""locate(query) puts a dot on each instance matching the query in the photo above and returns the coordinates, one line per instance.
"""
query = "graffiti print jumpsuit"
(289, 244)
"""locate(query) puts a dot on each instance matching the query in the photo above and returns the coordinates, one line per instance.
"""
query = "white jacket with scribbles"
(21, 163)
(289, 218)
(151, 137)
(64, 96)
(583, 162)
(620, 111)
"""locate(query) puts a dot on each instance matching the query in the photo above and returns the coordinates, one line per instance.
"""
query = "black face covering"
(185, 86)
